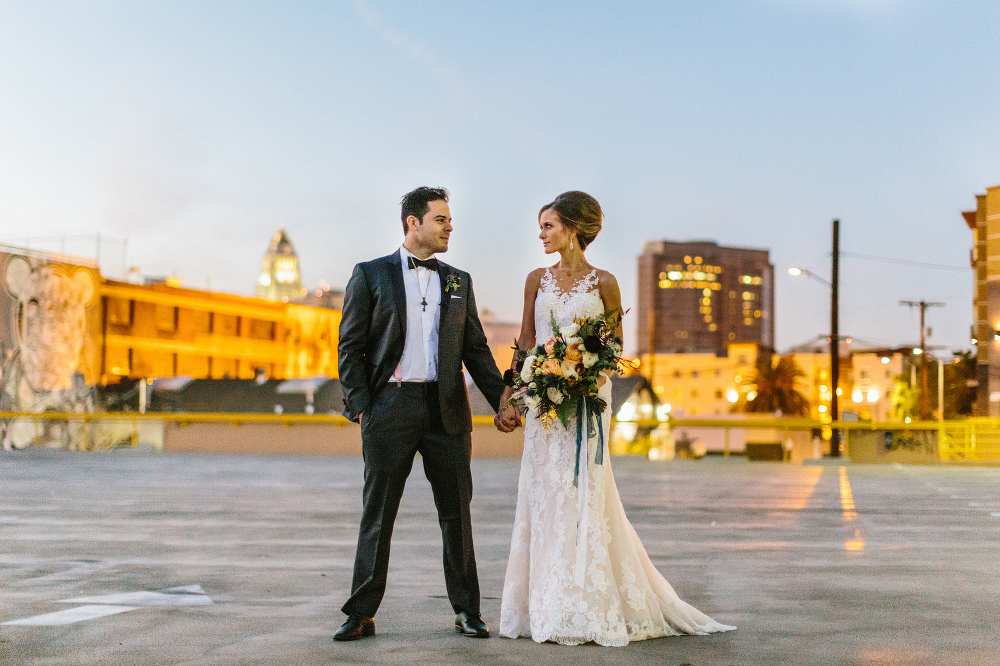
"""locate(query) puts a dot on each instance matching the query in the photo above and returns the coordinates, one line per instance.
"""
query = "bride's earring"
(571, 243)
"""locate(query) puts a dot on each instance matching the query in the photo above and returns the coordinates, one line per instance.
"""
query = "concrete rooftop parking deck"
(210, 559)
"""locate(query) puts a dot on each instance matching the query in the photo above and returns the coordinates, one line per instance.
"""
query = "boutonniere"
(452, 283)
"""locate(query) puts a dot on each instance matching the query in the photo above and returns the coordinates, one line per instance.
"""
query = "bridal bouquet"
(553, 377)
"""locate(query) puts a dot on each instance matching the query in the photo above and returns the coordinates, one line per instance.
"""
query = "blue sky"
(195, 129)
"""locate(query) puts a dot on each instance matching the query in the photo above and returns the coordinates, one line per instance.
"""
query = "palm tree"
(774, 388)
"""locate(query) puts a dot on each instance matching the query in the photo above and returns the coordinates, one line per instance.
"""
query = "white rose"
(569, 371)
(554, 395)
(531, 401)
(573, 341)
(527, 371)
(570, 330)
(589, 359)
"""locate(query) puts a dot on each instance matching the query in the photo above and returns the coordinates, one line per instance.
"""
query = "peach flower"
(570, 370)
(551, 367)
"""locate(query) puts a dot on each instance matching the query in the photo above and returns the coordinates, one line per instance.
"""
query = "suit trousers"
(405, 419)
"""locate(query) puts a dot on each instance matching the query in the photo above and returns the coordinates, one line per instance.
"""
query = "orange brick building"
(160, 330)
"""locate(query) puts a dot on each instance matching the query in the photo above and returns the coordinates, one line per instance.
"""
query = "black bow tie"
(430, 264)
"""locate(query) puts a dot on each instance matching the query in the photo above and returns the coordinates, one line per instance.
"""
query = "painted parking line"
(846, 497)
(70, 615)
(856, 544)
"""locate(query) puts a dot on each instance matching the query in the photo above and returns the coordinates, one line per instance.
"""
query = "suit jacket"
(373, 332)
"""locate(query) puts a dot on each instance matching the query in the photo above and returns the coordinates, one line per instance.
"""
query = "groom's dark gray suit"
(400, 419)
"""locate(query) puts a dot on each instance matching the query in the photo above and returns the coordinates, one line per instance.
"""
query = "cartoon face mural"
(44, 340)
(50, 319)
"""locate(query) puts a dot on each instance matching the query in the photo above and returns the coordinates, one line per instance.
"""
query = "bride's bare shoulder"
(534, 278)
(606, 278)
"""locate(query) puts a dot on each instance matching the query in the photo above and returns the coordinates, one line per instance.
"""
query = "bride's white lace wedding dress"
(576, 576)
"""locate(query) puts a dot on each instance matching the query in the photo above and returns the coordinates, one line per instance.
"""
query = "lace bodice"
(583, 300)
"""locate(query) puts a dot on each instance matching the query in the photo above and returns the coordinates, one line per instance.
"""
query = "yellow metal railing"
(81, 434)
(974, 439)
(80, 430)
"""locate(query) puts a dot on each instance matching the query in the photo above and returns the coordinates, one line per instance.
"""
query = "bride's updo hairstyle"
(579, 212)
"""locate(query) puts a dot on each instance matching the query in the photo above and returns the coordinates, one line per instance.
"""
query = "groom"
(409, 323)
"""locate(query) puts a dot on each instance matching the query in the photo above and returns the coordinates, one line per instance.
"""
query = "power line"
(907, 262)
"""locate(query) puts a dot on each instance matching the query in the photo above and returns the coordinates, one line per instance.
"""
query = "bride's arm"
(526, 340)
(607, 285)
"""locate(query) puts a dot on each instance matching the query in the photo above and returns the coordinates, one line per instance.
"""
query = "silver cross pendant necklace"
(423, 293)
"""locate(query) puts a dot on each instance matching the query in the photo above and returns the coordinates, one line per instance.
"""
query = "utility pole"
(835, 340)
(651, 328)
(923, 305)
(940, 389)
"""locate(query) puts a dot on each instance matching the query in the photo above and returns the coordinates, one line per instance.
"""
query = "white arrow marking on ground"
(108, 604)
(187, 595)
(70, 615)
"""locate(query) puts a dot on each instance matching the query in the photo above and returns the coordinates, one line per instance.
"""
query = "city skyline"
(195, 131)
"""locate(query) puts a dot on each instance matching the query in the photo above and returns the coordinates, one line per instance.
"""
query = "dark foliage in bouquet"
(552, 378)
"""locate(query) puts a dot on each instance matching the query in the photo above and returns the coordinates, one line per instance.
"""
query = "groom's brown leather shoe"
(468, 624)
(357, 626)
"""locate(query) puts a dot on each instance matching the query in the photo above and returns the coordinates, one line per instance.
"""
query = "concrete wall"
(905, 448)
(309, 439)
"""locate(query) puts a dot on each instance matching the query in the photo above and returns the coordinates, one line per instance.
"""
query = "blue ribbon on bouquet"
(591, 409)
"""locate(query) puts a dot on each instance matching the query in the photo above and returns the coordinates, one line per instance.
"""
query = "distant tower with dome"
(280, 278)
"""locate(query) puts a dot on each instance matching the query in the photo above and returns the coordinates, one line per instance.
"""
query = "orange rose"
(551, 367)
(550, 346)
(574, 352)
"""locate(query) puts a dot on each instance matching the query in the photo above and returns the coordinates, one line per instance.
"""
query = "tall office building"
(700, 297)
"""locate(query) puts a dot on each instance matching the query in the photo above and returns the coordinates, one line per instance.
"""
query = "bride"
(577, 571)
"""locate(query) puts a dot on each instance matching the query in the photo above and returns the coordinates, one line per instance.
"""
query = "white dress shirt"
(420, 349)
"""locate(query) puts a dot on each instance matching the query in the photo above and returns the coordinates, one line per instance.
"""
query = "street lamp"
(805, 271)
(834, 285)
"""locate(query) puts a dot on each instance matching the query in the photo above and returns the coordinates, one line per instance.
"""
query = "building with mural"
(65, 329)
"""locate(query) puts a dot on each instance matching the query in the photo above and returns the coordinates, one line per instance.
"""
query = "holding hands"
(507, 419)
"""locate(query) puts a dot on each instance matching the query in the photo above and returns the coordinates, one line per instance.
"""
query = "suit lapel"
(398, 291)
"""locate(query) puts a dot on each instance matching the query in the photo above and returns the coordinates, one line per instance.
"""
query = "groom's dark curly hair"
(415, 203)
